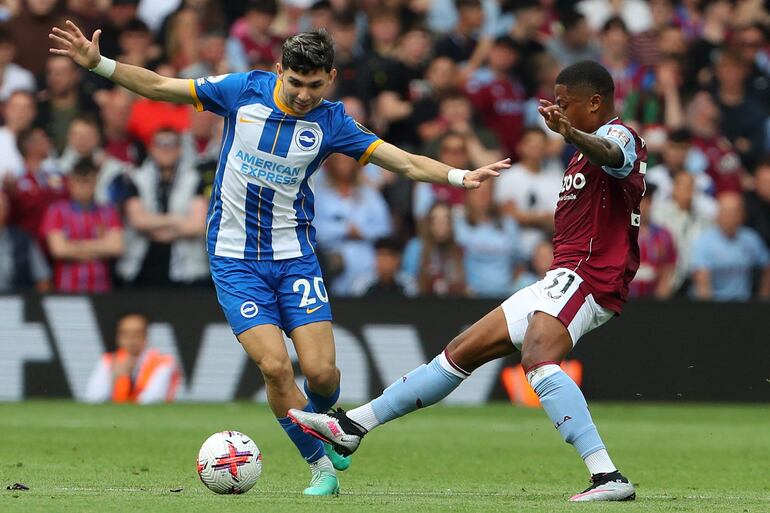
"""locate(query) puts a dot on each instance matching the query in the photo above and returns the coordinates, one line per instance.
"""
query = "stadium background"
(455, 80)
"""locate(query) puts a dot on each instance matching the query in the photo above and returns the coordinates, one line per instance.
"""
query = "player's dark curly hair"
(308, 52)
(589, 74)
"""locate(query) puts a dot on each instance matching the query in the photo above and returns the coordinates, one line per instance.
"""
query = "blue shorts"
(286, 293)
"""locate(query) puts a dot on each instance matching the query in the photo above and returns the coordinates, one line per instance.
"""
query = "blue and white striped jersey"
(262, 202)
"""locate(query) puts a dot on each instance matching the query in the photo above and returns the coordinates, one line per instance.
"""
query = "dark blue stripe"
(285, 135)
(259, 223)
(269, 133)
(306, 209)
(214, 216)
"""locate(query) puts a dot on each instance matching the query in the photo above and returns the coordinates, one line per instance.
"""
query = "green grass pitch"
(683, 457)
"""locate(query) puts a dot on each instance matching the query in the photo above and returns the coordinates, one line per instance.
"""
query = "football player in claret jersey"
(260, 238)
(595, 258)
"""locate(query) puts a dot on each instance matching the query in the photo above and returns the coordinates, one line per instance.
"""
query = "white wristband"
(105, 68)
(456, 176)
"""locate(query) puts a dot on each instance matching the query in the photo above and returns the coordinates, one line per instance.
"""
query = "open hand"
(72, 43)
(474, 179)
(555, 118)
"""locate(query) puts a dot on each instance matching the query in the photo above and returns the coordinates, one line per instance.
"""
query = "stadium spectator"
(616, 57)
(136, 45)
(455, 114)
(166, 219)
(498, 97)
(741, 118)
(489, 241)
(118, 16)
(22, 264)
(83, 143)
(201, 143)
(30, 27)
(657, 255)
(758, 202)
(460, 43)
(387, 280)
(684, 219)
(350, 216)
(645, 45)
(63, 99)
(439, 84)
(535, 268)
(115, 111)
(528, 192)
(751, 43)
(181, 38)
(712, 34)
(82, 235)
(348, 55)
(453, 150)
(725, 257)
(252, 43)
(634, 13)
(133, 373)
(576, 43)
(526, 34)
(40, 186)
(434, 260)
(12, 76)
(678, 157)
(19, 112)
(719, 159)
(212, 57)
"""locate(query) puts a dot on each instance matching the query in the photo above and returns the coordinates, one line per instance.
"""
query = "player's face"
(578, 105)
(303, 92)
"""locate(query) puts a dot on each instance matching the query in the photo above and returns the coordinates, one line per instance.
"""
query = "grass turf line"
(683, 457)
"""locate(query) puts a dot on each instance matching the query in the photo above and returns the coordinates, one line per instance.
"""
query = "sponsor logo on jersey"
(249, 309)
(212, 79)
(619, 135)
(307, 139)
(267, 170)
(363, 128)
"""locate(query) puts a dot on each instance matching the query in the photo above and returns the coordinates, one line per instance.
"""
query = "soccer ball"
(229, 462)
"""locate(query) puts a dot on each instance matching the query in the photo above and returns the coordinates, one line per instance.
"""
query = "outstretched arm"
(72, 43)
(598, 150)
(424, 169)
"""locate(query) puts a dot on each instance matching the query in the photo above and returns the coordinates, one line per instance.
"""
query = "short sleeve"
(760, 251)
(353, 139)
(699, 256)
(218, 94)
(623, 137)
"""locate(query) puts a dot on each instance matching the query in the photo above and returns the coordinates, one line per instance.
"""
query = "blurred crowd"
(102, 189)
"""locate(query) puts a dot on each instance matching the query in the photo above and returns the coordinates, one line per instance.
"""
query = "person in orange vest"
(133, 373)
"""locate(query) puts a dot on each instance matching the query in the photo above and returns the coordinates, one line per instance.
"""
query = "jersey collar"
(285, 108)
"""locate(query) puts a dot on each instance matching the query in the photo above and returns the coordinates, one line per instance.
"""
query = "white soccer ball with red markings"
(229, 462)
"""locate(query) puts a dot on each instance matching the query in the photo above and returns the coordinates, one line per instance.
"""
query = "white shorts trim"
(561, 294)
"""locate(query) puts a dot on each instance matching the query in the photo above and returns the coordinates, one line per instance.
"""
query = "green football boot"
(323, 482)
(339, 461)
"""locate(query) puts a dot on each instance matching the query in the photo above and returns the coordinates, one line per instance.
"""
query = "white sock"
(599, 462)
(364, 416)
(322, 463)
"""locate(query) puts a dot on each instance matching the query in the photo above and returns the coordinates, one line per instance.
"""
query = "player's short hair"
(308, 52)
(85, 167)
(590, 75)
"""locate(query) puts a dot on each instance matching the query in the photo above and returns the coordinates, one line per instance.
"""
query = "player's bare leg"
(546, 343)
(486, 340)
(314, 343)
(265, 346)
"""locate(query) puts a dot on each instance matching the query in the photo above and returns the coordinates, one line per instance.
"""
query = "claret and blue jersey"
(259, 231)
(262, 201)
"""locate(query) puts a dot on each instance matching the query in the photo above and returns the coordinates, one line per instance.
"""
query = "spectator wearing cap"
(489, 241)
(12, 76)
(528, 192)
(657, 255)
(22, 264)
(19, 112)
(386, 280)
(252, 43)
(350, 216)
(166, 219)
(758, 202)
(576, 43)
(498, 97)
(82, 235)
(63, 99)
(725, 257)
(40, 186)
